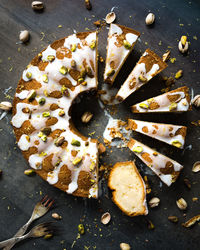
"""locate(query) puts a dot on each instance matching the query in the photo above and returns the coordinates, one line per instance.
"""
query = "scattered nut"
(76, 161)
(179, 74)
(6, 106)
(196, 101)
(59, 141)
(173, 219)
(88, 5)
(183, 44)
(75, 143)
(142, 78)
(154, 202)
(166, 56)
(24, 36)
(56, 216)
(73, 63)
(172, 106)
(37, 5)
(125, 246)
(150, 19)
(29, 172)
(86, 117)
(48, 236)
(31, 95)
(182, 204)
(196, 167)
(137, 149)
(110, 17)
(46, 130)
(81, 229)
(105, 218)
(191, 221)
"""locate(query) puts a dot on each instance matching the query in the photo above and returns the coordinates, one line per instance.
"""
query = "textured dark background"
(19, 193)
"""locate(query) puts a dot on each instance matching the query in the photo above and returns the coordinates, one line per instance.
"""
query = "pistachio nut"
(183, 44)
(31, 95)
(44, 138)
(73, 47)
(173, 219)
(59, 141)
(75, 143)
(45, 78)
(92, 45)
(86, 117)
(124, 246)
(181, 204)
(29, 172)
(37, 5)
(6, 106)
(172, 106)
(166, 56)
(48, 236)
(154, 202)
(127, 45)
(196, 101)
(177, 143)
(76, 161)
(179, 74)
(46, 93)
(105, 218)
(191, 221)
(56, 216)
(81, 229)
(143, 105)
(65, 91)
(183, 40)
(73, 63)
(46, 114)
(83, 73)
(24, 36)
(142, 78)
(89, 71)
(110, 17)
(50, 58)
(110, 72)
(196, 167)
(28, 75)
(132, 83)
(61, 113)
(42, 101)
(137, 149)
(150, 18)
(84, 83)
(63, 70)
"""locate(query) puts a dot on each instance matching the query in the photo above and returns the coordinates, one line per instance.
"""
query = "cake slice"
(121, 41)
(171, 134)
(147, 67)
(177, 100)
(167, 169)
(129, 191)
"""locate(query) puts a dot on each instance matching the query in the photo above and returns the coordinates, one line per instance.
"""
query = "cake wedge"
(165, 168)
(149, 65)
(128, 189)
(121, 41)
(177, 100)
(168, 133)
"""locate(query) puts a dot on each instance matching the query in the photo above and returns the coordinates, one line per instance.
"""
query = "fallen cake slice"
(177, 100)
(167, 169)
(147, 67)
(121, 41)
(171, 134)
(129, 191)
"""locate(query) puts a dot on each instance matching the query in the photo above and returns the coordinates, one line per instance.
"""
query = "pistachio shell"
(77, 160)
(105, 218)
(196, 167)
(37, 5)
(182, 204)
(196, 101)
(154, 202)
(150, 19)
(24, 36)
(125, 246)
(5, 106)
(110, 17)
(143, 106)
(127, 45)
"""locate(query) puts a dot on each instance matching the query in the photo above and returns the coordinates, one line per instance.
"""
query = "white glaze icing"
(89, 154)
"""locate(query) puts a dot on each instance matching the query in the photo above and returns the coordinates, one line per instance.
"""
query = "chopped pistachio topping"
(50, 58)
(63, 70)
(48, 236)
(40, 134)
(44, 138)
(43, 154)
(46, 130)
(92, 44)
(150, 100)
(75, 143)
(80, 80)
(29, 75)
(73, 47)
(172, 106)
(46, 114)
(83, 73)
(137, 149)
(59, 141)
(183, 40)
(177, 144)
(77, 160)
(81, 229)
(84, 83)
(42, 101)
(61, 113)
(143, 105)
(127, 45)
(29, 172)
(110, 72)
(31, 96)
(89, 71)
(28, 138)
(142, 78)
(45, 78)
(46, 93)
(179, 74)
(64, 91)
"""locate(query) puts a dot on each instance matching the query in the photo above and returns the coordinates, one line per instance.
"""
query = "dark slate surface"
(19, 193)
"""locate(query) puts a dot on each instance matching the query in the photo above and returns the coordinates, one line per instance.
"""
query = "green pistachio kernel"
(73, 47)
(172, 106)
(64, 91)
(40, 134)
(40, 55)
(75, 143)
(92, 44)
(179, 74)
(143, 105)
(73, 63)
(31, 96)
(142, 78)
(83, 73)
(42, 101)
(81, 229)
(84, 83)
(61, 113)
(177, 143)
(46, 114)
(110, 72)
(29, 75)
(127, 45)
(50, 58)
(80, 80)
(29, 172)
(45, 78)
(137, 149)
(77, 160)
(44, 138)
(63, 70)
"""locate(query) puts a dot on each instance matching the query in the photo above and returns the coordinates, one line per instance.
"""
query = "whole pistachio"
(24, 36)
(6, 106)
(37, 5)
(56, 216)
(150, 19)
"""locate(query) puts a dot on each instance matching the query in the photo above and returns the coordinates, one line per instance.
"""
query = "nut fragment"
(50, 58)
(86, 117)
(105, 218)
(183, 44)
(179, 74)
(110, 72)
(37, 5)
(42, 101)
(56, 216)
(24, 36)
(166, 56)
(182, 204)
(143, 106)
(196, 101)
(31, 95)
(127, 45)
(46, 114)
(73, 63)
(81, 229)
(76, 161)
(125, 246)
(191, 221)
(173, 218)
(92, 45)
(63, 70)
(154, 202)
(132, 83)
(110, 17)
(172, 106)
(6, 106)
(75, 143)
(177, 143)
(29, 172)
(45, 78)
(137, 149)
(48, 236)
(196, 167)
(150, 19)
(142, 78)
(59, 141)
(61, 113)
